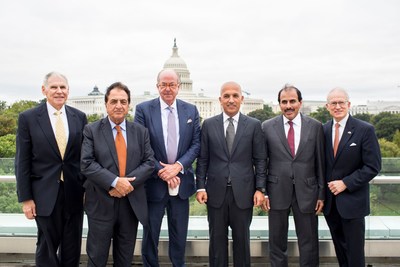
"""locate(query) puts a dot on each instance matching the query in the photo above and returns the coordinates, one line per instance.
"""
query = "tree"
(3, 106)
(388, 149)
(322, 115)
(93, 117)
(364, 116)
(7, 146)
(387, 126)
(396, 138)
(8, 124)
(262, 114)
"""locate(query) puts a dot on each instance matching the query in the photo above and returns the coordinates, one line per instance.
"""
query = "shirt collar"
(52, 110)
(296, 120)
(235, 118)
(164, 105)
(342, 122)
(122, 124)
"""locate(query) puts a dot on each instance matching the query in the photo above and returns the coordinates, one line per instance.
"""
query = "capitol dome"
(178, 64)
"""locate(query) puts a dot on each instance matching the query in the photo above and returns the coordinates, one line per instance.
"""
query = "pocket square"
(189, 121)
(353, 144)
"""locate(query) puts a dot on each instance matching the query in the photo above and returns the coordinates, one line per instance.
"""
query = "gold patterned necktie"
(61, 137)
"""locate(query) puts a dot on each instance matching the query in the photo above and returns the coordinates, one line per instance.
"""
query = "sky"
(313, 44)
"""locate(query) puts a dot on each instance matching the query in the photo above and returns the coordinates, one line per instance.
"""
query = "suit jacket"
(245, 165)
(358, 161)
(305, 171)
(148, 114)
(38, 162)
(100, 166)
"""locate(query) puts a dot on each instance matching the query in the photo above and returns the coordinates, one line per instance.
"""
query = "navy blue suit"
(358, 160)
(38, 166)
(149, 115)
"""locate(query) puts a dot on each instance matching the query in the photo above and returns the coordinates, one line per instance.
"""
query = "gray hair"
(51, 74)
(337, 89)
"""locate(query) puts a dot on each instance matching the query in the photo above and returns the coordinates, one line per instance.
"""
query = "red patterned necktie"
(290, 138)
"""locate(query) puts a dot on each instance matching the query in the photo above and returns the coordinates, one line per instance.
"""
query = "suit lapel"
(347, 133)
(156, 125)
(72, 123)
(45, 125)
(131, 137)
(241, 128)
(109, 138)
(280, 131)
(183, 119)
(328, 134)
(305, 129)
(220, 135)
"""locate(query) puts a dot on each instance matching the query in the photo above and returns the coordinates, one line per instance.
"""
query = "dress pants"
(307, 235)
(348, 236)
(219, 219)
(178, 220)
(59, 236)
(122, 229)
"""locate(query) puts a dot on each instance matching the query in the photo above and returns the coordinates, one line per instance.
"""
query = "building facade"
(93, 103)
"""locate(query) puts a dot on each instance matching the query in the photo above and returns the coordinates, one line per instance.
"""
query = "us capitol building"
(93, 103)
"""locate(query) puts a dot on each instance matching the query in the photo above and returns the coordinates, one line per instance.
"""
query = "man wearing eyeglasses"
(174, 128)
(352, 160)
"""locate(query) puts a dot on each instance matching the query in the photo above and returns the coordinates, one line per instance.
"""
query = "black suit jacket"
(38, 162)
(246, 164)
(100, 166)
(358, 161)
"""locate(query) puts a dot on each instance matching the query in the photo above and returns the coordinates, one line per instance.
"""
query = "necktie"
(230, 135)
(61, 137)
(290, 138)
(172, 146)
(120, 145)
(336, 140)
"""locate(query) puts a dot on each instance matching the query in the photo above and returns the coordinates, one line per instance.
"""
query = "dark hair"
(120, 86)
(288, 87)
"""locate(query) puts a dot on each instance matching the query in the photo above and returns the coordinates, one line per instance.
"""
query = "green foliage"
(322, 115)
(262, 114)
(93, 117)
(8, 124)
(197, 209)
(7, 146)
(388, 149)
(364, 117)
(8, 199)
(387, 126)
(396, 138)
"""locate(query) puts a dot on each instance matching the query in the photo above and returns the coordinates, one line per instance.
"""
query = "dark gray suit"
(294, 183)
(111, 217)
(230, 205)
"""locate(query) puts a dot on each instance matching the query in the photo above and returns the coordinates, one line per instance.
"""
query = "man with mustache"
(295, 178)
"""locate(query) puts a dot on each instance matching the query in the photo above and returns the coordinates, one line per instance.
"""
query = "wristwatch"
(261, 189)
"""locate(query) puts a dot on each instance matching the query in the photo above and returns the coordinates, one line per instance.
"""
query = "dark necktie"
(121, 151)
(290, 138)
(172, 146)
(336, 140)
(230, 135)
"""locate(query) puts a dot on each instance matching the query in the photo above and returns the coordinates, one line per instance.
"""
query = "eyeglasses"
(340, 103)
(171, 85)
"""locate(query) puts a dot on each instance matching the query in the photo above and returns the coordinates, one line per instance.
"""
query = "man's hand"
(169, 171)
(29, 209)
(174, 182)
(336, 187)
(258, 198)
(319, 206)
(201, 197)
(124, 186)
(265, 205)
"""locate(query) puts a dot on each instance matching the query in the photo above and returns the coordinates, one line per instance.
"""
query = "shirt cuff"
(114, 183)
(183, 169)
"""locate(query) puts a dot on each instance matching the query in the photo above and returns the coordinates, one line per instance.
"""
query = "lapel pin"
(189, 121)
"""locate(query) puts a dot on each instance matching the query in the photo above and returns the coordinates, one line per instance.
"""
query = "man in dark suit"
(174, 128)
(230, 176)
(353, 159)
(115, 195)
(49, 183)
(295, 180)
